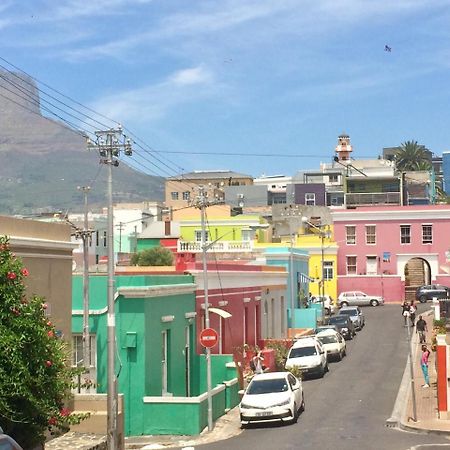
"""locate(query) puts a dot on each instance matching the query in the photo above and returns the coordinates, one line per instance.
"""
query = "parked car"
(272, 396)
(334, 344)
(328, 303)
(309, 355)
(345, 326)
(430, 291)
(355, 314)
(7, 442)
(326, 327)
(359, 298)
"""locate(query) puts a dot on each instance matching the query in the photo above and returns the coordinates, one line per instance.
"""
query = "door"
(371, 265)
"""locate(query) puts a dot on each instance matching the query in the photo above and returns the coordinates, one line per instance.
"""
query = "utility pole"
(202, 204)
(109, 144)
(291, 279)
(86, 236)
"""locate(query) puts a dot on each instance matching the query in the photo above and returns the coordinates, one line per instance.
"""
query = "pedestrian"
(405, 312)
(424, 364)
(257, 364)
(412, 313)
(421, 328)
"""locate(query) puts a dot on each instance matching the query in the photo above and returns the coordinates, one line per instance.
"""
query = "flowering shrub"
(35, 379)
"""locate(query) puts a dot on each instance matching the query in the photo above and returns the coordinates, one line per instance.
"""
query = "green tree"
(156, 256)
(35, 379)
(412, 156)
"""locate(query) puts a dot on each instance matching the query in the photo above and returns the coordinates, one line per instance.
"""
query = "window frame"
(186, 195)
(374, 234)
(428, 241)
(174, 195)
(328, 270)
(347, 265)
(347, 235)
(310, 199)
(78, 347)
(405, 239)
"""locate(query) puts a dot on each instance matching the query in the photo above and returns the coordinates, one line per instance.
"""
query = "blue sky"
(275, 77)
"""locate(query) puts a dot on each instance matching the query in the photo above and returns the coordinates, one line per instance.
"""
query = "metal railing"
(373, 198)
(219, 246)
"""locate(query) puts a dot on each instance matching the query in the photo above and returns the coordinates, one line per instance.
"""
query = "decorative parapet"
(219, 246)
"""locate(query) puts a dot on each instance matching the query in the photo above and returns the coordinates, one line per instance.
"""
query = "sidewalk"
(426, 399)
(225, 427)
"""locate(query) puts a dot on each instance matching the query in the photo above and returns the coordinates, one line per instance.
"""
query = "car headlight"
(344, 329)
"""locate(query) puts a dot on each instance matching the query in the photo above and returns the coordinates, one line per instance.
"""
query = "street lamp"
(323, 234)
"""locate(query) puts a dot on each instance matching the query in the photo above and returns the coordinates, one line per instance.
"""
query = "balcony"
(218, 247)
(373, 198)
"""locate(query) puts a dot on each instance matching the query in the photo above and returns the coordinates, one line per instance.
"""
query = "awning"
(303, 278)
(220, 312)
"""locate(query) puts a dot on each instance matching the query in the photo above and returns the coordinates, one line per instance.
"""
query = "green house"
(159, 373)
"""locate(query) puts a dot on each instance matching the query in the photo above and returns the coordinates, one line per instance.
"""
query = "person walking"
(405, 312)
(421, 328)
(257, 365)
(412, 313)
(424, 364)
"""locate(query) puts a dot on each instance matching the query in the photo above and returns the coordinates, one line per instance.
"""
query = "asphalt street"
(347, 409)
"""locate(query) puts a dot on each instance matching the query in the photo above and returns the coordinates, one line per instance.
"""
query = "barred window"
(405, 234)
(371, 236)
(351, 265)
(427, 234)
(350, 235)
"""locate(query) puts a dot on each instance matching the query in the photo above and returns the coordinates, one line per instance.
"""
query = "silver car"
(359, 298)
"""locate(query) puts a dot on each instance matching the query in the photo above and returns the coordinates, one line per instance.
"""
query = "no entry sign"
(208, 337)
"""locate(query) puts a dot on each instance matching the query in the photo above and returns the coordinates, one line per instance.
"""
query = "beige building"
(182, 190)
(46, 251)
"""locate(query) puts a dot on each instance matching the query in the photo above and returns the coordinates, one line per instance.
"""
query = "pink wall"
(387, 221)
(233, 327)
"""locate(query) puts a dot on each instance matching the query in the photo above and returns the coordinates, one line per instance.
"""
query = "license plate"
(264, 413)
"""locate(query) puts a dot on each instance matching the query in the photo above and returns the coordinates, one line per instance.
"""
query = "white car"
(358, 298)
(272, 396)
(334, 344)
(328, 304)
(309, 355)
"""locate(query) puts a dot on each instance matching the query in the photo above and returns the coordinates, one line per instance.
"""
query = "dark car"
(344, 325)
(430, 291)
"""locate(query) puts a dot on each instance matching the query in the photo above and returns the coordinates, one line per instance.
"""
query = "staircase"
(414, 277)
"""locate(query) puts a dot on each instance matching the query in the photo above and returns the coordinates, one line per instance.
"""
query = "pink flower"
(48, 363)
(52, 421)
(11, 276)
(15, 311)
(44, 306)
(50, 333)
(65, 412)
(25, 272)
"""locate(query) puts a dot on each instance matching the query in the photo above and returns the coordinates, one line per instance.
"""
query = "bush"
(35, 379)
(156, 256)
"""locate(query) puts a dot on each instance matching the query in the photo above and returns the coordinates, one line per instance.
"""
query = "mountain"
(42, 161)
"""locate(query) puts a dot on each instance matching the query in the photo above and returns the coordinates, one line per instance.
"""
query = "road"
(347, 409)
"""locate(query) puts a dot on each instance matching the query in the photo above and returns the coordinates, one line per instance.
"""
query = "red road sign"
(208, 337)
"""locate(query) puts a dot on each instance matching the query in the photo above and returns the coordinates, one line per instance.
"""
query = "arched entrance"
(417, 273)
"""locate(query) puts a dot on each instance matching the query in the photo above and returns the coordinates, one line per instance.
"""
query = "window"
(310, 199)
(350, 235)
(405, 234)
(371, 234)
(198, 235)
(332, 178)
(246, 235)
(351, 265)
(174, 195)
(328, 270)
(427, 234)
(186, 195)
(77, 350)
(104, 239)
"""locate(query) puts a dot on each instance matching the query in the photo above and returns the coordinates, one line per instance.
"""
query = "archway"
(417, 272)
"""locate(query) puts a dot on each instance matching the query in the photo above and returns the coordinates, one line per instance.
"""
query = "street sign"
(208, 337)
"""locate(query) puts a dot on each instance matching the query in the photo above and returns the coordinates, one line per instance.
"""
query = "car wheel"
(295, 414)
(344, 353)
(344, 304)
(339, 357)
(373, 302)
(302, 406)
(423, 299)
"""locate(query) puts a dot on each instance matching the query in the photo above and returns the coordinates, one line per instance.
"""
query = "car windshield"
(327, 339)
(267, 386)
(347, 312)
(302, 351)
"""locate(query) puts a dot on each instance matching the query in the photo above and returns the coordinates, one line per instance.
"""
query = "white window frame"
(77, 350)
(372, 258)
(348, 236)
(371, 235)
(427, 238)
(310, 199)
(198, 235)
(328, 270)
(404, 227)
(355, 265)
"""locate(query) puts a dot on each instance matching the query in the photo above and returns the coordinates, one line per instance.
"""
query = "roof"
(270, 375)
(327, 332)
(209, 174)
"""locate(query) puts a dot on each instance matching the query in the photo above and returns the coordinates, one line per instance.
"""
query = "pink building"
(390, 250)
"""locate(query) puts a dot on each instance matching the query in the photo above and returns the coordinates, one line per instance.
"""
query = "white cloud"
(195, 75)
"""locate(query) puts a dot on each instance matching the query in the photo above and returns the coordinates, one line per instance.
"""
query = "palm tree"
(412, 156)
